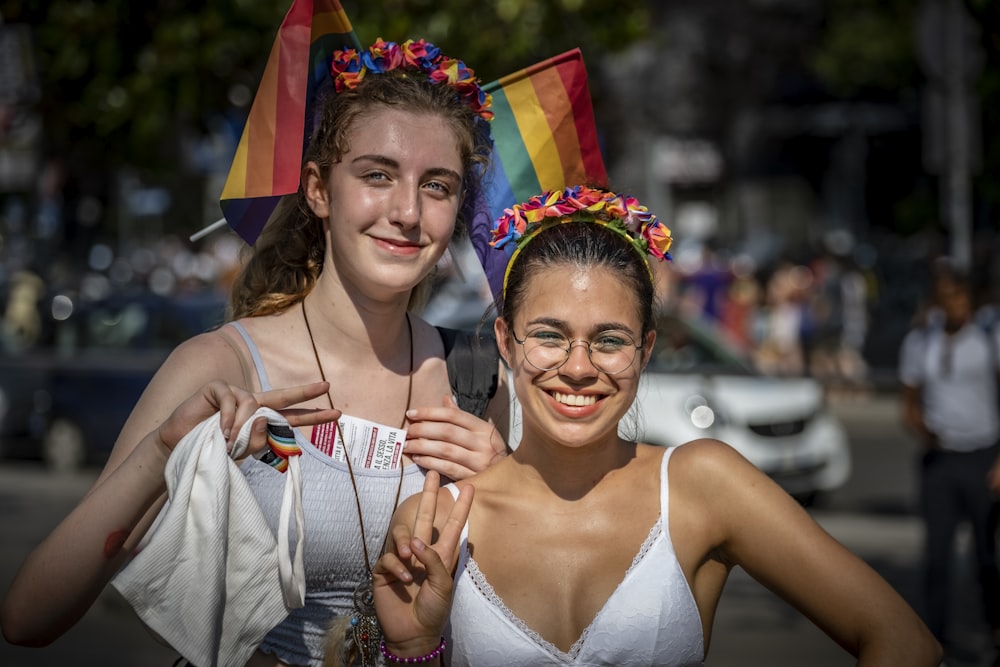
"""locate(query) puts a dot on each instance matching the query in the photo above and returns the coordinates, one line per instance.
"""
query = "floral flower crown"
(349, 68)
(620, 213)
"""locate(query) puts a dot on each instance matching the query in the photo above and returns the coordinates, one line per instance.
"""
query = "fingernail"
(411, 413)
(417, 545)
(226, 432)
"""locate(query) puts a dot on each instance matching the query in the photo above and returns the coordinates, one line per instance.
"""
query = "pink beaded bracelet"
(415, 660)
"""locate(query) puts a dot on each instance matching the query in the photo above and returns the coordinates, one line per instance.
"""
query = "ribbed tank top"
(334, 559)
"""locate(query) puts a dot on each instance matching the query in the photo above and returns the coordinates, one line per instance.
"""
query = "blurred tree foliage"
(867, 47)
(987, 16)
(123, 81)
(120, 79)
(496, 37)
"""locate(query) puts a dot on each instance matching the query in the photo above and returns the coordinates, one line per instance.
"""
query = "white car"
(697, 385)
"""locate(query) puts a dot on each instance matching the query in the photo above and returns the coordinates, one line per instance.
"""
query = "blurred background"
(814, 159)
(836, 147)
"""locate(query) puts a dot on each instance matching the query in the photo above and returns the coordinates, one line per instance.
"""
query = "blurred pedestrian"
(838, 310)
(22, 319)
(780, 351)
(948, 367)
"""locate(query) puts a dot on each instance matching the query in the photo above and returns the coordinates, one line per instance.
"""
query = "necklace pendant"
(366, 632)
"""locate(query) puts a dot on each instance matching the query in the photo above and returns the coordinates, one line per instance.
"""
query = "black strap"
(473, 360)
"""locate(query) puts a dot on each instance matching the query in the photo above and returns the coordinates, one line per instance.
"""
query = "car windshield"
(684, 346)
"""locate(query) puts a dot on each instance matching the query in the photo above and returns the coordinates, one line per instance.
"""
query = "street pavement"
(872, 515)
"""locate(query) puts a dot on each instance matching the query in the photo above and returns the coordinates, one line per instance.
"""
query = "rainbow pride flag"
(269, 156)
(545, 138)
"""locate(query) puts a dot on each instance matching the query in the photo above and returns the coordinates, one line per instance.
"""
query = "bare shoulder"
(711, 474)
(407, 510)
(406, 513)
(709, 458)
(426, 336)
(192, 364)
(214, 355)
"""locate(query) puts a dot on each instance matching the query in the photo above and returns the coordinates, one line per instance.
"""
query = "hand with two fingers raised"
(414, 579)
(236, 406)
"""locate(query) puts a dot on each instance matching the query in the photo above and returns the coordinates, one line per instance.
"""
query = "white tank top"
(650, 619)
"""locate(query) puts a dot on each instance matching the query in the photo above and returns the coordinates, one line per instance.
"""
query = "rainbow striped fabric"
(545, 138)
(269, 156)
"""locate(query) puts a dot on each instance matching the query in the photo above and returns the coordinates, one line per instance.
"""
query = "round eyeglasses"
(610, 351)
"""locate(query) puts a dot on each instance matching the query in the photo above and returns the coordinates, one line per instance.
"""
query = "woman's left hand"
(451, 441)
(413, 581)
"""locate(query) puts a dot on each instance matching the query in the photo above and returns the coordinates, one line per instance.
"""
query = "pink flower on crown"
(419, 54)
(510, 227)
(445, 72)
(659, 240)
(615, 207)
(584, 198)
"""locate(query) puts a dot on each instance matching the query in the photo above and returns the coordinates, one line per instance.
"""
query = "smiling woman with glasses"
(579, 548)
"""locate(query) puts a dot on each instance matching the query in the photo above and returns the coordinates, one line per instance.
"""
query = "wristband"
(415, 660)
(280, 445)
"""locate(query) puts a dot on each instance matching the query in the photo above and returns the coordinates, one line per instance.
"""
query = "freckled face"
(575, 404)
(392, 201)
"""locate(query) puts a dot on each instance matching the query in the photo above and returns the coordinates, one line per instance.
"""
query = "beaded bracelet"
(415, 660)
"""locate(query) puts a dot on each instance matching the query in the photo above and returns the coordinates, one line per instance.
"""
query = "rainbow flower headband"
(349, 68)
(620, 213)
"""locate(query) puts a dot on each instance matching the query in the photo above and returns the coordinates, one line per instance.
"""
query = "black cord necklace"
(366, 633)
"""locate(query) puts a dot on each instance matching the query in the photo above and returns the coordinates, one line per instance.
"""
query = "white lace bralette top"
(650, 619)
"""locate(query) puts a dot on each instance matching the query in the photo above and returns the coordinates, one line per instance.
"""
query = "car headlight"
(703, 416)
(701, 413)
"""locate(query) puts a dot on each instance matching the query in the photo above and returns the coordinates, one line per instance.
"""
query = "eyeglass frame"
(569, 350)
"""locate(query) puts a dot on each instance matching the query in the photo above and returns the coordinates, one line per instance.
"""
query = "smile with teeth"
(576, 400)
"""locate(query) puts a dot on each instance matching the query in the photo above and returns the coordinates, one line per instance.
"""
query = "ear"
(315, 190)
(501, 331)
(647, 348)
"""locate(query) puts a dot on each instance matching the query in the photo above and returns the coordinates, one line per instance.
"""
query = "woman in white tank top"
(584, 548)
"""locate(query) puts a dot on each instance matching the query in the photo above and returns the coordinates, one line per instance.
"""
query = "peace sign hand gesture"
(413, 581)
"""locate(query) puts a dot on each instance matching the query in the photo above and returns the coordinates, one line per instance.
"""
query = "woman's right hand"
(451, 441)
(236, 406)
(413, 581)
